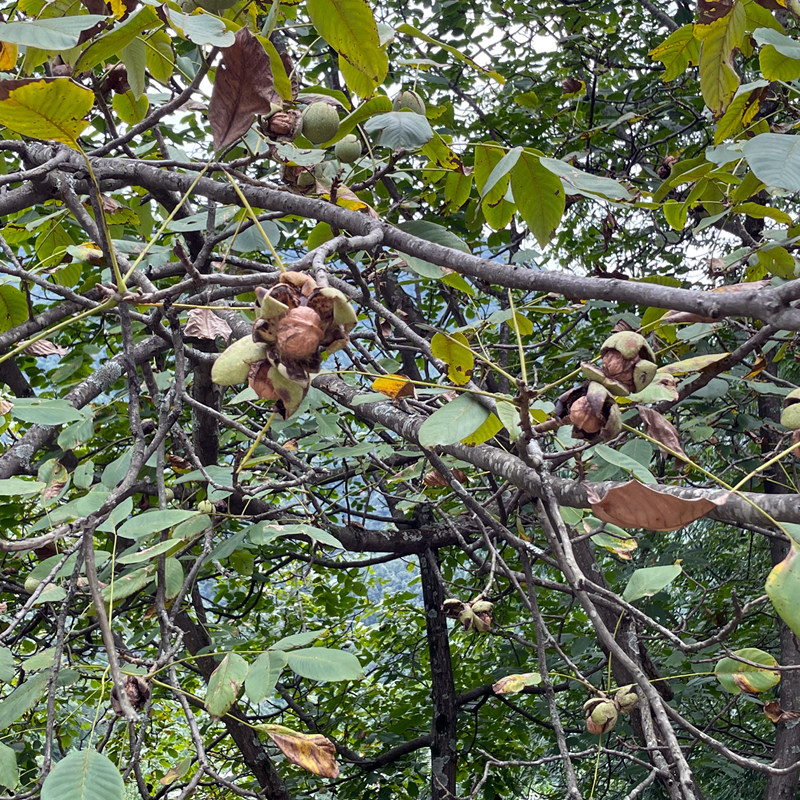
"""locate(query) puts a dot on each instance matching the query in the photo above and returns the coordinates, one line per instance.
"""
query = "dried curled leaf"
(634, 505)
(512, 684)
(776, 714)
(203, 323)
(312, 752)
(662, 430)
(138, 692)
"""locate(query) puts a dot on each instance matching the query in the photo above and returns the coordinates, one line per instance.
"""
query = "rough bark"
(443, 695)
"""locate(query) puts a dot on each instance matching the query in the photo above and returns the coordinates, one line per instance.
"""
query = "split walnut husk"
(297, 321)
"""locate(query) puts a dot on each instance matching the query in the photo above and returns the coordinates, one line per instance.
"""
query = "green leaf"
(201, 29)
(225, 683)
(20, 486)
(455, 351)
(45, 412)
(622, 461)
(496, 208)
(128, 584)
(324, 664)
(9, 772)
(453, 422)
(265, 532)
(152, 521)
(160, 57)
(783, 588)
(111, 43)
(116, 470)
(418, 34)
(84, 775)
(508, 414)
(130, 109)
(298, 640)
(349, 28)
(436, 234)
(775, 159)
(539, 195)
(369, 108)
(400, 130)
(173, 578)
(7, 667)
(676, 214)
(501, 169)
(264, 674)
(52, 108)
(737, 677)
(23, 698)
(777, 67)
(757, 211)
(13, 307)
(580, 182)
(649, 581)
(677, 52)
(151, 552)
(785, 45)
(61, 33)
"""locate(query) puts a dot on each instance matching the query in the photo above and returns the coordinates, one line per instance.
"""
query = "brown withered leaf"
(776, 714)
(54, 489)
(5, 407)
(435, 478)
(243, 88)
(45, 348)
(634, 505)
(312, 752)
(662, 430)
(203, 323)
(710, 10)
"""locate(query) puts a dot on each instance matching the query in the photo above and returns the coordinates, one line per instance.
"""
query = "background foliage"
(200, 596)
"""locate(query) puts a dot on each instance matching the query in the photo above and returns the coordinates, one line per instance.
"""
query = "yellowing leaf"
(736, 676)
(490, 427)
(678, 51)
(512, 684)
(783, 588)
(45, 109)
(759, 366)
(696, 364)
(454, 350)
(394, 386)
(8, 56)
(312, 752)
(349, 28)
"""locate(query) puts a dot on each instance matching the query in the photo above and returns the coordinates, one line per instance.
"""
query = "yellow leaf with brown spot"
(312, 752)
(394, 386)
(8, 56)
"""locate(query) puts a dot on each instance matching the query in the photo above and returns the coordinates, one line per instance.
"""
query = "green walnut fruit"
(233, 364)
(306, 178)
(206, 507)
(790, 416)
(409, 101)
(348, 149)
(320, 122)
(188, 6)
